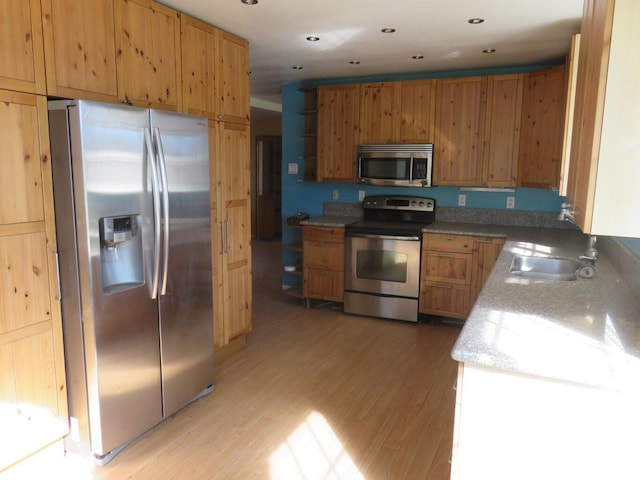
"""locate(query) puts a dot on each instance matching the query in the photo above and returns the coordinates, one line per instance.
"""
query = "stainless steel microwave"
(406, 165)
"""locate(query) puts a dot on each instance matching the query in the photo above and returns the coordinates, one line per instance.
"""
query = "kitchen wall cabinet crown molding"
(605, 152)
(338, 115)
(148, 54)
(22, 59)
(80, 49)
(32, 376)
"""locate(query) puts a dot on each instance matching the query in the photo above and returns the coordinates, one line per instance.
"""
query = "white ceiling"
(523, 32)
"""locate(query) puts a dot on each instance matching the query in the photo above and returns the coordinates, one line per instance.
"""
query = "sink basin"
(544, 268)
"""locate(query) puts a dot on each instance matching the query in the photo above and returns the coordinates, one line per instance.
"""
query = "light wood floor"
(315, 394)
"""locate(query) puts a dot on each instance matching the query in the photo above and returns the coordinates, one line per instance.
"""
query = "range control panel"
(400, 202)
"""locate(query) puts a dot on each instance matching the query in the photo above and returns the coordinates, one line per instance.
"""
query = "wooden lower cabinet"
(454, 269)
(33, 393)
(323, 263)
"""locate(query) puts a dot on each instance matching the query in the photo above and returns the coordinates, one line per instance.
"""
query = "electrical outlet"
(334, 194)
(361, 195)
(292, 168)
(511, 202)
(462, 200)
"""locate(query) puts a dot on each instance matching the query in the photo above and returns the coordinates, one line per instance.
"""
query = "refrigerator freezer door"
(186, 308)
(116, 323)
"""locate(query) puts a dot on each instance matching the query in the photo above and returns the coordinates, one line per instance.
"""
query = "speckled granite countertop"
(585, 331)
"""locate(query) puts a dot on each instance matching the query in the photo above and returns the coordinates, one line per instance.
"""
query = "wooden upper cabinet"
(543, 112)
(460, 116)
(148, 54)
(378, 112)
(502, 130)
(605, 152)
(338, 112)
(397, 112)
(232, 78)
(22, 59)
(198, 67)
(80, 49)
(417, 107)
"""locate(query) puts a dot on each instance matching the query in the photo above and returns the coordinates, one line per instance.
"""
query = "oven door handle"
(413, 238)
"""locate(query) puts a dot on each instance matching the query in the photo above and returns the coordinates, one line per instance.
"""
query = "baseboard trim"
(230, 349)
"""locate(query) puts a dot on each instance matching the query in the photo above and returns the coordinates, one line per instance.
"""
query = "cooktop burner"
(394, 215)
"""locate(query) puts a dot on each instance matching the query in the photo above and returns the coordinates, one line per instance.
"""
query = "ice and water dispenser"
(121, 253)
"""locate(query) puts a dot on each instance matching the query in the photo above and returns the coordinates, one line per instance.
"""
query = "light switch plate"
(334, 194)
(292, 168)
(361, 194)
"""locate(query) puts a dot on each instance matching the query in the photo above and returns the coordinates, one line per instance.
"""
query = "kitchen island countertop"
(585, 331)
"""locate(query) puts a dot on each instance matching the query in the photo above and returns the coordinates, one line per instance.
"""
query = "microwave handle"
(411, 170)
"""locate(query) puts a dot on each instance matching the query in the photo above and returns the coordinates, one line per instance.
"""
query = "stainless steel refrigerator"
(131, 190)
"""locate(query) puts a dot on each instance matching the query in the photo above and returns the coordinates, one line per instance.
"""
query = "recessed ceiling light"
(355, 62)
(489, 50)
(249, 2)
(475, 21)
(417, 57)
(313, 39)
(297, 67)
(388, 30)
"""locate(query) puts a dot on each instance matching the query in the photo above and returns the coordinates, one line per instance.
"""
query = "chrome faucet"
(590, 254)
(566, 212)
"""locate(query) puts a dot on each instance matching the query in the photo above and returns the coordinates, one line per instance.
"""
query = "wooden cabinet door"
(234, 190)
(416, 111)
(448, 300)
(377, 112)
(543, 112)
(32, 377)
(198, 67)
(593, 63)
(447, 267)
(322, 284)
(338, 109)
(232, 78)
(148, 54)
(502, 130)
(459, 123)
(80, 49)
(22, 59)
(486, 252)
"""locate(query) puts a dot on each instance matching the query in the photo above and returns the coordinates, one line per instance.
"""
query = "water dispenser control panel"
(115, 230)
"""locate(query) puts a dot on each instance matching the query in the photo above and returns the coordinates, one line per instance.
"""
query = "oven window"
(385, 168)
(383, 265)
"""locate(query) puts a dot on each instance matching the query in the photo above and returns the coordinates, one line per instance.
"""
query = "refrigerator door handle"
(155, 187)
(165, 208)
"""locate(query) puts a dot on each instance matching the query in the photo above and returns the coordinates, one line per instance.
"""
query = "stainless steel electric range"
(382, 257)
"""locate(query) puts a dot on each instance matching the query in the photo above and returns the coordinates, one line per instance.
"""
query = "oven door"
(383, 265)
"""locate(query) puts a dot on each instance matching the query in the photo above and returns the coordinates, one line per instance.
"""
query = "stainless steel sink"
(545, 268)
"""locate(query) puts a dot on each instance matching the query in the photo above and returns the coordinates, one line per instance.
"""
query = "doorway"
(268, 186)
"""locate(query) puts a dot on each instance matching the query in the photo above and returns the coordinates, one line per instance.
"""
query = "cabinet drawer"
(447, 243)
(448, 267)
(444, 299)
(323, 285)
(323, 234)
(323, 255)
